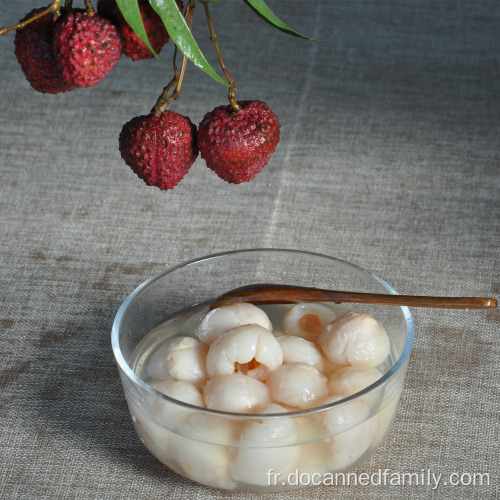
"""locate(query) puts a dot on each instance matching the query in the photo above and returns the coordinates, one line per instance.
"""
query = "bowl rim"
(131, 375)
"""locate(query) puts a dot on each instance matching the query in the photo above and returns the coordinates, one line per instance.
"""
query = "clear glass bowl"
(209, 450)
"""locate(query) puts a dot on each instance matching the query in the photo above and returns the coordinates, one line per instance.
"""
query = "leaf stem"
(215, 40)
(54, 7)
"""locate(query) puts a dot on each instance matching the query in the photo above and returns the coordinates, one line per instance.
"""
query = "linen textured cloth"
(389, 158)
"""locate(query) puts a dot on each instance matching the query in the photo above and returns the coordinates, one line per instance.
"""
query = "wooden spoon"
(290, 294)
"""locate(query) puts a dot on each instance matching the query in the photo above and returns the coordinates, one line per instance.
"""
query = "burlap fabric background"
(389, 159)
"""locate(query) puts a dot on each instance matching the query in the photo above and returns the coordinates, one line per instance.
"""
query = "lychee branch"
(178, 78)
(163, 98)
(215, 40)
(89, 8)
(54, 7)
(68, 7)
(161, 104)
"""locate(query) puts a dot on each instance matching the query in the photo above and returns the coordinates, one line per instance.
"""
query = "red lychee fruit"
(133, 46)
(159, 149)
(87, 47)
(237, 146)
(33, 48)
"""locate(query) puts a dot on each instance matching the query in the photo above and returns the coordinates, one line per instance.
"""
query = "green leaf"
(268, 15)
(132, 14)
(181, 35)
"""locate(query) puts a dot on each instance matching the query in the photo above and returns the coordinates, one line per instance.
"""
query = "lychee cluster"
(61, 49)
(236, 140)
(78, 48)
(236, 145)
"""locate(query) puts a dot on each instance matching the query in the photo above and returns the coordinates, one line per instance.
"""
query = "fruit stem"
(54, 7)
(163, 103)
(215, 40)
(89, 8)
(163, 98)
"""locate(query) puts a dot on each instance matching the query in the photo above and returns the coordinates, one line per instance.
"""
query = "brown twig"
(158, 109)
(215, 40)
(89, 8)
(54, 7)
(163, 102)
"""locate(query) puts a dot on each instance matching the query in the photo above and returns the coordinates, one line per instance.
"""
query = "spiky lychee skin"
(33, 49)
(133, 46)
(87, 47)
(159, 149)
(238, 146)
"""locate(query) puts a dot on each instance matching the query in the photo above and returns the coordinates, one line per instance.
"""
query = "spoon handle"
(289, 294)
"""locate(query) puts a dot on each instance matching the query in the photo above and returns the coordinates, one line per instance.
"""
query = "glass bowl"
(206, 445)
